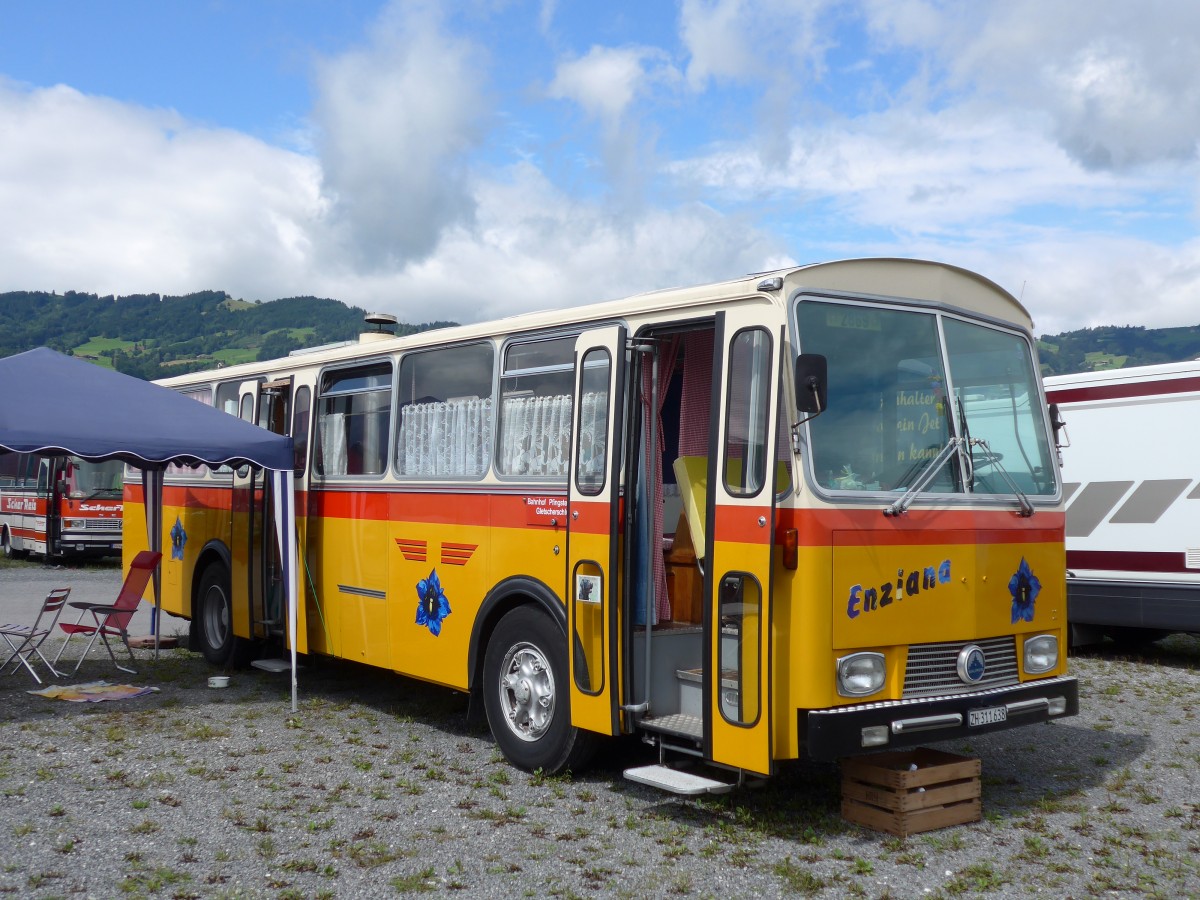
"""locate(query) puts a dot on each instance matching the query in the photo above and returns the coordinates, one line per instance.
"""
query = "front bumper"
(830, 734)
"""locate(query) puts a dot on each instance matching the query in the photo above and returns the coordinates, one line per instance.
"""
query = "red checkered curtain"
(668, 350)
(695, 403)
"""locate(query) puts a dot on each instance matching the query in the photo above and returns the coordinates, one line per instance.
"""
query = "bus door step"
(677, 781)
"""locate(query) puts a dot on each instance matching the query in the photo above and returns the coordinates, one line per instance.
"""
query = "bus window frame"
(502, 372)
(319, 394)
(394, 445)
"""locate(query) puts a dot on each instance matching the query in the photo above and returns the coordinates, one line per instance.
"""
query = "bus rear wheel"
(527, 697)
(214, 620)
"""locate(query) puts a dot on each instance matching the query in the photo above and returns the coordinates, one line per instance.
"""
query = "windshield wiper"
(993, 459)
(925, 476)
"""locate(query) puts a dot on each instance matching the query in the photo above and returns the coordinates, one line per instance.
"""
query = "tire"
(213, 620)
(10, 552)
(527, 695)
(1130, 639)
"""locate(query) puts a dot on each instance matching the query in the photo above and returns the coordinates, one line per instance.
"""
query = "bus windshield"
(904, 382)
(88, 479)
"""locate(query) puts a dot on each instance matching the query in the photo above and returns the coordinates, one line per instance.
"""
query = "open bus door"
(256, 584)
(740, 512)
(593, 525)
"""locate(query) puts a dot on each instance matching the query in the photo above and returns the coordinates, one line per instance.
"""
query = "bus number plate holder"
(988, 716)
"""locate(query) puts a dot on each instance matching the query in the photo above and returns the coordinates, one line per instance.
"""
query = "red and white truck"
(59, 506)
(1131, 476)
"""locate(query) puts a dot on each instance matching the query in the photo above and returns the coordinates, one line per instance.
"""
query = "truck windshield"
(899, 394)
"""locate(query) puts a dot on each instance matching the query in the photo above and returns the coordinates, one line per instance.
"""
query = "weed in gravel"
(419, 882)
(799, 879)
(154, 881)
(980, 877)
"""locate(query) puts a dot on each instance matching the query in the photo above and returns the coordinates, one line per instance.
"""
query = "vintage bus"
(809, 512)
(59, 506)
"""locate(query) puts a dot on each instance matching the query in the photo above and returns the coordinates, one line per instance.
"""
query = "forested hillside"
(1116, 347)
(153, 336)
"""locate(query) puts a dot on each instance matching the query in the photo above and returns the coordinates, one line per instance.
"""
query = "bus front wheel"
(214, 619)
(10, 552)
(527, 695)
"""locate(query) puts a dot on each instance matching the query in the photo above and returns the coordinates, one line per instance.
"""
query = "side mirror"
(812, 376)
(1059, 424)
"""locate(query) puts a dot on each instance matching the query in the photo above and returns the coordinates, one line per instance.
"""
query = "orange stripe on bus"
(867, 527)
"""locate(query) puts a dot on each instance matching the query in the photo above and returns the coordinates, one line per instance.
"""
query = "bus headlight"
(1041, 653)
(860, 674)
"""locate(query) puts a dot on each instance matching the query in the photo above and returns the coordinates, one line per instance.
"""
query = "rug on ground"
(93, 692)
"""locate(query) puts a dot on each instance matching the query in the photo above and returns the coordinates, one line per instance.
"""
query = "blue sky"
(475, 159)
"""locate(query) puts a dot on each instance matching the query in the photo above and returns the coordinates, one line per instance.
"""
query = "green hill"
(153, 336)
(1116, 347)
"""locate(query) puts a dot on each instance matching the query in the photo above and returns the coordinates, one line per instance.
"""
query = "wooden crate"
(886, 793)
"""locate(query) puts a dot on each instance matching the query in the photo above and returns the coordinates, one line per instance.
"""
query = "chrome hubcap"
(527, 692)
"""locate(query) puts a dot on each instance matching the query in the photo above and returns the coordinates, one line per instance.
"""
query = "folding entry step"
(677, 781)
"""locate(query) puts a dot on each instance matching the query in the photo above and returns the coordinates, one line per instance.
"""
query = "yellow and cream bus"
(809, 512)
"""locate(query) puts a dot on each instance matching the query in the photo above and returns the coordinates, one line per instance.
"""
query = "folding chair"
(26, 640)
(112, 619)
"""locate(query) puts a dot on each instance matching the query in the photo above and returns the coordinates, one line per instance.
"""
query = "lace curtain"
(535, 438)
(333, 443)
(442, 439)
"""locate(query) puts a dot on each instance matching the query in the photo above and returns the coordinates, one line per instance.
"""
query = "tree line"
(153, 335)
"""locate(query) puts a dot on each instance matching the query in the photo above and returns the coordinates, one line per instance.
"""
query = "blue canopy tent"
(51, 404)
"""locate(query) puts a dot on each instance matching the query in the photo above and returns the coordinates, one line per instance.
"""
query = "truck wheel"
(213, 615)
(1130, 638)
(527, 695)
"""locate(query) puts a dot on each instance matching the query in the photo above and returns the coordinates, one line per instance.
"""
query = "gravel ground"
(378, 787)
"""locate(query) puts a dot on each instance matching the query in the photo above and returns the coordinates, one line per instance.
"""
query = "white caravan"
(1131, 477)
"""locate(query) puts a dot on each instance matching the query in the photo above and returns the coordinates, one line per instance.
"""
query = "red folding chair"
(113, 620)
(26, 640)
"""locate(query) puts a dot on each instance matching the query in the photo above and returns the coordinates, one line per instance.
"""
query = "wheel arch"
(506, 596)
(215, 551)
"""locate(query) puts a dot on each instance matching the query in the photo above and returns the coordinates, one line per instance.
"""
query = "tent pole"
(152, 490)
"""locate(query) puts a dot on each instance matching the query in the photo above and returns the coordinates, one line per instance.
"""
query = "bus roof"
(909, 279)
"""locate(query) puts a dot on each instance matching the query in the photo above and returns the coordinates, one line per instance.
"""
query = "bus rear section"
(60, 506)
(1133, 487)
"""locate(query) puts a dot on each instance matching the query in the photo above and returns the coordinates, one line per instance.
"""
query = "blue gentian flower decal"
(432, 605)
(178, 539)
(1024, 587)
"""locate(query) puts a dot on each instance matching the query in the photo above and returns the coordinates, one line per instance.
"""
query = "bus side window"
(445, 419)
(354, 420)
(535, 408)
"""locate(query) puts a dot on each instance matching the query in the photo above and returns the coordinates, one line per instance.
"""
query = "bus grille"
(107, 525)
(933, 668)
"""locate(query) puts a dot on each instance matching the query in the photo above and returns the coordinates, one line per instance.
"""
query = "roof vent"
(380, 327)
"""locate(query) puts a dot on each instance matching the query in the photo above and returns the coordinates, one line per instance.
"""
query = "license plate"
(989, 716)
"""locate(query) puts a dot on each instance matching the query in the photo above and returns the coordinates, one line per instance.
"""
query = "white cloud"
(113, 198)
(533, 246)
(604, 82)
(396, 119)
(1115, 80)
